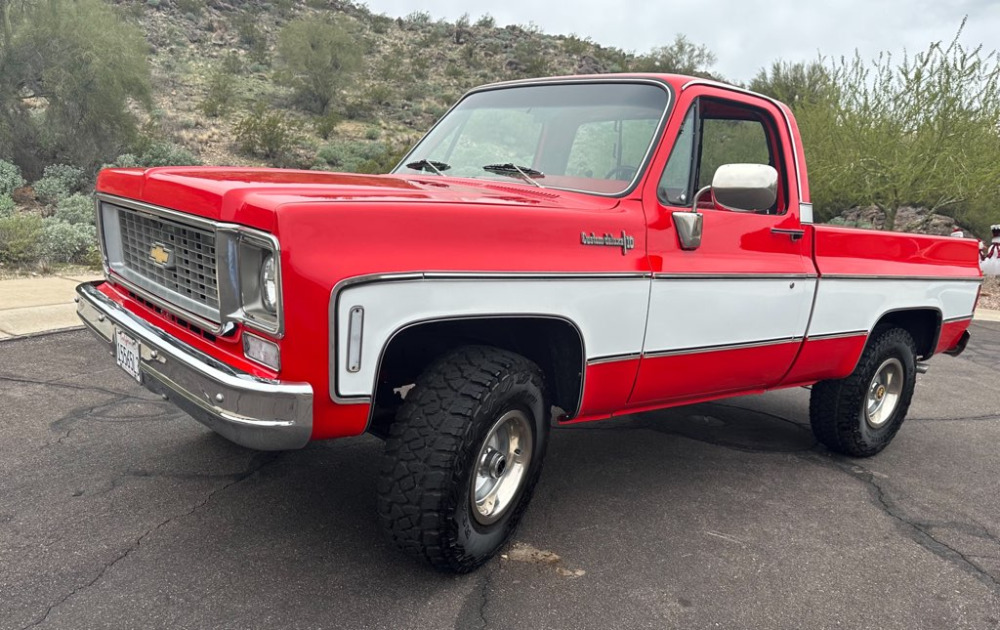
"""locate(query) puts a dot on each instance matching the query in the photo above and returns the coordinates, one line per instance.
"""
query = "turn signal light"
(262, 351)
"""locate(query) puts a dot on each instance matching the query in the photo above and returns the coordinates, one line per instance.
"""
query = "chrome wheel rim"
(501, 467)
(883, 393)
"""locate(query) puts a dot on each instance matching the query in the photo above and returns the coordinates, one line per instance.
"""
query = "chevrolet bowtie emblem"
(162, 256)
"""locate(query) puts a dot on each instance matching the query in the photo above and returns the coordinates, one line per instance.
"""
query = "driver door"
(729, 315)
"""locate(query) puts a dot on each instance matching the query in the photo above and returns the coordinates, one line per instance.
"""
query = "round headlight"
(269, 284)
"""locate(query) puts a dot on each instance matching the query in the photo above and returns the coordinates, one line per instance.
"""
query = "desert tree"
(320, 57)
(72, 75)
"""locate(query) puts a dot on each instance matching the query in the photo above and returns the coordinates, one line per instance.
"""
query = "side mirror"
(745, 187)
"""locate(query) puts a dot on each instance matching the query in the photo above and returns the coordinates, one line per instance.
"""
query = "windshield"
(592, 137)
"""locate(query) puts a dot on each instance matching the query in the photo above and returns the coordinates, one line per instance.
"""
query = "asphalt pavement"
(118, 511)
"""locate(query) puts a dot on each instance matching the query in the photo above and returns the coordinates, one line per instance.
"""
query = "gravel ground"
(990, 297)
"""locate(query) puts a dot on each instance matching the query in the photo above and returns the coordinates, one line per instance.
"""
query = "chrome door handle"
(792, 233)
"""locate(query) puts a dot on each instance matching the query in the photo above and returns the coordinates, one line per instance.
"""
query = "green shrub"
(265, 133)
(358, 157)
(378, 94)
(60, 181)
(20, 238)
(221, 92)
(285, 7)
(380, 24)
(156, 154)
(76, 210)
(486, 21)
(67, 243)
(575, 46)
(327, 124)
(6, 206)
(190, 7)
(10, 178)
(358, 108)
(251, 36)
(418, 18)
(233, 63)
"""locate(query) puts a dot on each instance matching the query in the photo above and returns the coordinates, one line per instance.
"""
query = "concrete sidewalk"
(34, 305)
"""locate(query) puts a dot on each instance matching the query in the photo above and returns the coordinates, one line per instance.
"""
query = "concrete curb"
(41, 304)
(986, 315)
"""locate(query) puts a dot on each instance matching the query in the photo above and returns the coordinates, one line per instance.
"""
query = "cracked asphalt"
(118, 511)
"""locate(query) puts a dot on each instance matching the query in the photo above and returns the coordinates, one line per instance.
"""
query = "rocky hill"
(214, 62)
(908, 219)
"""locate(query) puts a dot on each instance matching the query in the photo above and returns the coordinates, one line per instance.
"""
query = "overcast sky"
(745, 35)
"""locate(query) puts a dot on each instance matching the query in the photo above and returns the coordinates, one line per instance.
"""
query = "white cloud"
(745, 35)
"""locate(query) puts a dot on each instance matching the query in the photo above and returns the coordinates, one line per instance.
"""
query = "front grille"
(187, 257)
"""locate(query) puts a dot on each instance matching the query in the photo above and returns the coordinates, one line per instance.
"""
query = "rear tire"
(860, 414)
(463, 456)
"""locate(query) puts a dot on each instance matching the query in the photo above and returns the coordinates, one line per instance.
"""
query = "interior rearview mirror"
(745, 187)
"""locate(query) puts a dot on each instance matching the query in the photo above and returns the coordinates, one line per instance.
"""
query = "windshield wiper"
(429, 165)
(526, 173)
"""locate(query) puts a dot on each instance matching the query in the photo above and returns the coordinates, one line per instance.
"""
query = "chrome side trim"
(613, 358)
(735, 346)
(530, 275)
(583, 352)
(841, 335)
(346, 283)
(933, 309)
(952, 320)
(902, 278)
(734, 276)
(251, 411)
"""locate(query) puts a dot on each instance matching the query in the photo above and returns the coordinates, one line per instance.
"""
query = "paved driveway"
(118, 511)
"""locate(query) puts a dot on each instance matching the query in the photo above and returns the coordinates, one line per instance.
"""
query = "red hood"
(250, 196)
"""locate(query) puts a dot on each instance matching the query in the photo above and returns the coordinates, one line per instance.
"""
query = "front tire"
(463, 456)
(860, 414)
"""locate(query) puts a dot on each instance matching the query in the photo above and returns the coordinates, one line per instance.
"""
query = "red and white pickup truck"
(552, 251)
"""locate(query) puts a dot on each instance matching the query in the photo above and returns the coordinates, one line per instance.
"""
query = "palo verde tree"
(795, 84)
(320, 57)
(680, 56)
(922, 131)
(70, 73)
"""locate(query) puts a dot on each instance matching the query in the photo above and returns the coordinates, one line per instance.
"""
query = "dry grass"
(990, 297)
(45, 269)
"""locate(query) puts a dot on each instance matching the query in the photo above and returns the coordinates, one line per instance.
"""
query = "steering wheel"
(622, 172)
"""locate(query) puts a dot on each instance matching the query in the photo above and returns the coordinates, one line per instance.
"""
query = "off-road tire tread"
(834, 407)
(423, 470)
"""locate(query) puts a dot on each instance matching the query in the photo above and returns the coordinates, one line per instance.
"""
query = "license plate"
(127, 354)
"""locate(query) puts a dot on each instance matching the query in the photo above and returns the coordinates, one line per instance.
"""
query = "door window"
(717, 132)
(675, 184)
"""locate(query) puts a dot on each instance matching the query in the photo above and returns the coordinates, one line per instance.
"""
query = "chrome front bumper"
(253, 412)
